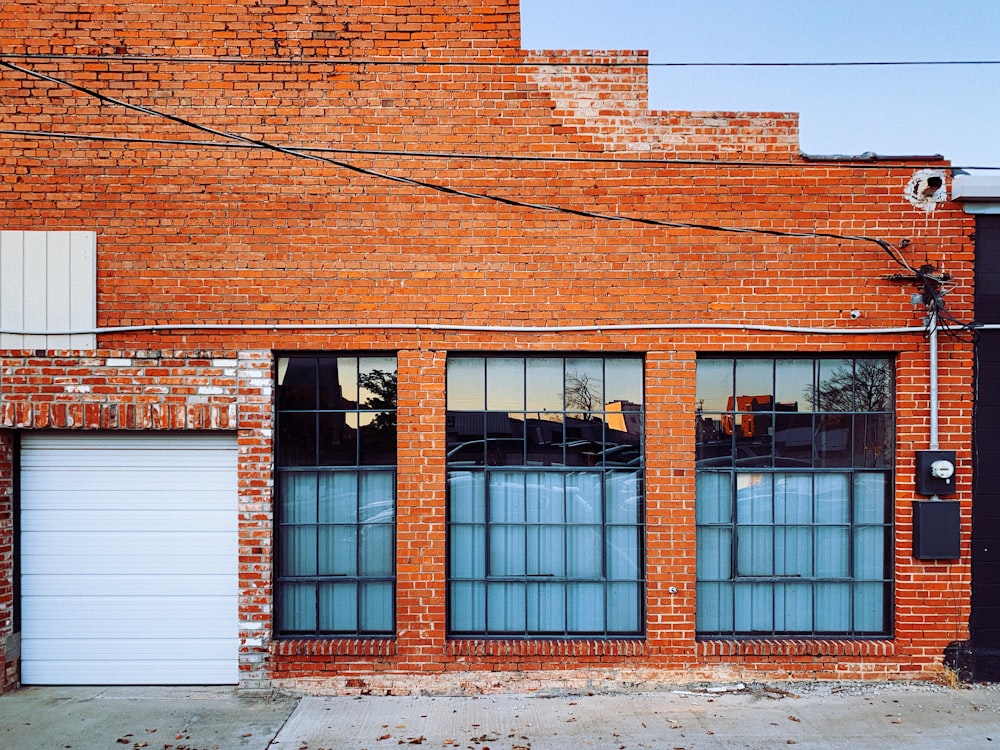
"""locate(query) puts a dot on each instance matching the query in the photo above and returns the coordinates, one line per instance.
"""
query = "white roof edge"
(974, 187)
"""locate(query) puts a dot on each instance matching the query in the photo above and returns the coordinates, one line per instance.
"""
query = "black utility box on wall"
(936, 530)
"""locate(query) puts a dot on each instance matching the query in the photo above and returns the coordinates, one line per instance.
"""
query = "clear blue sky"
(949, 110)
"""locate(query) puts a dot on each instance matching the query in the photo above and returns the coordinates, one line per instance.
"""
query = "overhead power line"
(891, 251)
(563, 58)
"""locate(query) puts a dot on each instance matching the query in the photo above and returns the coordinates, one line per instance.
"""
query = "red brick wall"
(9, 640)
(195, 234)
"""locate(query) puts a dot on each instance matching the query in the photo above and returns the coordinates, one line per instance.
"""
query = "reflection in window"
(545, 513)
(794, 496)
(336, 457)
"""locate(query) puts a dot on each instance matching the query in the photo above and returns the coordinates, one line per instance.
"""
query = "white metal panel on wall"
(129, 561)
(48, 281)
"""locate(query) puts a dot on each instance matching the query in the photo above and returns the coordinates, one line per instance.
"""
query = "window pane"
(467, 607)
(545, 502)
(624, 499)
(338, 497)
(624, 382)
(584, 386)
(467, 551)
(376, 550)
(833, 607)
(466, 383)
(793, 440)
(623, 553)
(714, 551)
(715, 498)
(297, 439)
(298, 550)
(583, 497)
(793, 607)
(754, 607)
(873, 388)
(584, 553)
(467, 497)
(755, 551)
(338, 608)
(507, 497)
(546, 608)
(585, 607)
(793, 385)
(545, 385)
(298, 492)
(624, 607)
(832, 498)
(832, 549)
(296, 611)
(870, 497)
(505, 384)
(714, 384)
(338, 438)
(834, 440)
(755, 379)
(338, 380)
(836, 385)
(376, 607)
(869, 608)
(377, 438)
(546, 551)
(338, 550)
(714, 613)
(297, 383)
(377, 503)
(793, 498)
(377, 380)
(507, 550)
(506, 605)
(873, 441)
(754, 498)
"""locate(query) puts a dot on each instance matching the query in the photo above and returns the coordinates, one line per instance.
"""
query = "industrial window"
(794, 491)
(336, 502)
(545, 496)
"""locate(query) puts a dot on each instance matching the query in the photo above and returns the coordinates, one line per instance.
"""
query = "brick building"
(345, 345)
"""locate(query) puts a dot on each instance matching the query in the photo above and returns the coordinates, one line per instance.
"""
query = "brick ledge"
(481, 647)
(796, 647)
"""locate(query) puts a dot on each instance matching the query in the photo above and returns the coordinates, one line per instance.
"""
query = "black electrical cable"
(863, 162)
(564, 58)
(886, 247)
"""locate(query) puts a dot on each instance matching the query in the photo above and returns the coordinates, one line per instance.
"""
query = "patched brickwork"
(211, 258)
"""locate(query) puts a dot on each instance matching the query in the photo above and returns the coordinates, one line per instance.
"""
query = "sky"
(952, 110)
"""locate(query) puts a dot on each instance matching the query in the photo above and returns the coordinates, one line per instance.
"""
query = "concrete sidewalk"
(818, 716)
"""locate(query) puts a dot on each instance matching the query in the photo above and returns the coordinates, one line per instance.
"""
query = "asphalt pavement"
(814, 715)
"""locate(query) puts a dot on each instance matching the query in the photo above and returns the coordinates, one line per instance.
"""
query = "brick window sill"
(796, 647)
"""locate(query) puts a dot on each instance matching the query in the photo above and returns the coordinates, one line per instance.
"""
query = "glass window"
(545, 496)
(336, 495)
(793, 496)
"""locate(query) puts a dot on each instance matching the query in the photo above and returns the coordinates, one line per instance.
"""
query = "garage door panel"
(124, 649)
(129, 541)
(111, 545)
(195, 583)
(68, 563)
(103, 480)
(179, 619)
(144, 672)
(127, 520)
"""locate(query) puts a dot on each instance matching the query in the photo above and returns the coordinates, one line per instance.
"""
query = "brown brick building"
(346, 345)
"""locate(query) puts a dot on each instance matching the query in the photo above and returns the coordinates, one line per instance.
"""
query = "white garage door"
(128, 559)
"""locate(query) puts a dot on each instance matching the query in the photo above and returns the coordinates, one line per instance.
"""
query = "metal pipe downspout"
(933, 374)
